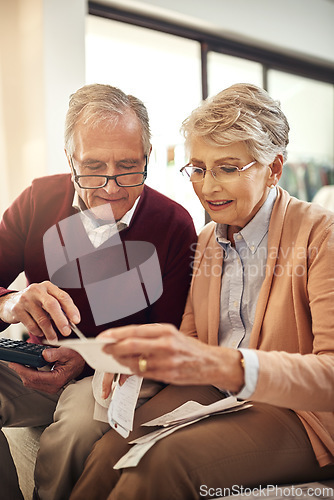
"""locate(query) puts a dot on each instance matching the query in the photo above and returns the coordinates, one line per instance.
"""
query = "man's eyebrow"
(123, 161)
(128, 161)
(90, 161)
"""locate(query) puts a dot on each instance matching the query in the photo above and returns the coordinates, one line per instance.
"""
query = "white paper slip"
(192, 410)
(123, 404)
(92, 351)
(163, 432)
(133, 456)
(168, 424)
(136, 453)
(168, 429)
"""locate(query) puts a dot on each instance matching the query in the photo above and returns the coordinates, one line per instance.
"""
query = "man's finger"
(60, 307)
(51, 355)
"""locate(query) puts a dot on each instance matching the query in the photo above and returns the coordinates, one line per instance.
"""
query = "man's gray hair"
(97, 103)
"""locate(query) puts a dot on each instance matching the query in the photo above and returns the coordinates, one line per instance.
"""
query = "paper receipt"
(123, 404)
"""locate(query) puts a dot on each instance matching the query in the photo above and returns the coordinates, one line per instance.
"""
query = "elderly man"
(107, 144)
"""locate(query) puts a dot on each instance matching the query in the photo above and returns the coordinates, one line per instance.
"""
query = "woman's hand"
(107, 383)
(174, 358)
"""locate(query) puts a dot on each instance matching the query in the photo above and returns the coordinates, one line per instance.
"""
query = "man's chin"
(105, 211)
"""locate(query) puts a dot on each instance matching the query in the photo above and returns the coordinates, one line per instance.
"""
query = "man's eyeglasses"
(130, 179)
(221, 173)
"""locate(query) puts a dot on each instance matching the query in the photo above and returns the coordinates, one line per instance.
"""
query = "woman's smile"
(217, 205)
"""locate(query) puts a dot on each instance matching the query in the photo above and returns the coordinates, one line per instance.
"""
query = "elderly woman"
(259, 323)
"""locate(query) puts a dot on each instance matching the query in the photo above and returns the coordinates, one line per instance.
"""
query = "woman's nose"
(210, 184)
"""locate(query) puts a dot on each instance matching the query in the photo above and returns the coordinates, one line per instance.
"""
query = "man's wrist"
(3, 299)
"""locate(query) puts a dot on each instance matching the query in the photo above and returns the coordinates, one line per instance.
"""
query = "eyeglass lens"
(95, 181)
(222, 173)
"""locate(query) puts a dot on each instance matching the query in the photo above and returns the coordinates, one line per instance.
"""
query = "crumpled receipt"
(123, 404)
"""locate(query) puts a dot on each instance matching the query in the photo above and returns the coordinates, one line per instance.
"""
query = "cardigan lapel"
(274, 238)
(214, 292)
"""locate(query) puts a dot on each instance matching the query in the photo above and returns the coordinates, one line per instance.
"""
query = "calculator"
(25, 353)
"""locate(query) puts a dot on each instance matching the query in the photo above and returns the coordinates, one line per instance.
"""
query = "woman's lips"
(219, 204)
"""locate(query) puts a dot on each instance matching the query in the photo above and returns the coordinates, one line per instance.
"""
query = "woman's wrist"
(229, 373)
(238, 372)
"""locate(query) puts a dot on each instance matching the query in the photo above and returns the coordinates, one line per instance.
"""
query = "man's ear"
(68, 158)
(149, 153)
(276, 168)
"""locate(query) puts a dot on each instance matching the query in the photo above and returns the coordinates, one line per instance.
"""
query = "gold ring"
(142, 364)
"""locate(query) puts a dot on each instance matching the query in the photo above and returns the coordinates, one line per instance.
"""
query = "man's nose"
(111, 186)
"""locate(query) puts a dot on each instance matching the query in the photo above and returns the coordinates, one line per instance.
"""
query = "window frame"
(209, 42)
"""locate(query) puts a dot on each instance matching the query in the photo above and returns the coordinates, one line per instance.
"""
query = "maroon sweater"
(157, 219)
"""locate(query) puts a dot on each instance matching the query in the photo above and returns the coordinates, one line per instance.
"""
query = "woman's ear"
(276, 169)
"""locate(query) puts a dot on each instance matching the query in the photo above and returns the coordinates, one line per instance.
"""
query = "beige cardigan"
(294, 322)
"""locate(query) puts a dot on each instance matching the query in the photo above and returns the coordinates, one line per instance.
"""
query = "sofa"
(24, 444)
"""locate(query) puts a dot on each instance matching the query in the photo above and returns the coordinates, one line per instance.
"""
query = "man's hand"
(36, 306)
(68, 364)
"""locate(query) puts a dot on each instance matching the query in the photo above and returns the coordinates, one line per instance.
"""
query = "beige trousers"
(65, 443)
(257, 446)
(19, 407)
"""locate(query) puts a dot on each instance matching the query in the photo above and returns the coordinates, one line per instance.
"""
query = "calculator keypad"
(19, 351)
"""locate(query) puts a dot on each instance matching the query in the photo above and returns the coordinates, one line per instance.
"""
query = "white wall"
(42, 61)
(64, 70)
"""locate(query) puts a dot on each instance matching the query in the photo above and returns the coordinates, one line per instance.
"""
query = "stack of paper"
(189, 413)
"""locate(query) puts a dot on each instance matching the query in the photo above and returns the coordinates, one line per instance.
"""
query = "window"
(225, 70)
(308, 105)
(164, 72)
(172, 67)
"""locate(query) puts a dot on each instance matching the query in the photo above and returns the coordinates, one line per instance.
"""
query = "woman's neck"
(231, 230)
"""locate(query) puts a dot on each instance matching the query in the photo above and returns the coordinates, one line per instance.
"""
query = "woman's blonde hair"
(96, 103)
(242, 112)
